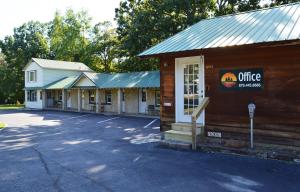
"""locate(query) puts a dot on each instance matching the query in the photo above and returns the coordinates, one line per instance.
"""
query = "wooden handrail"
(197, 112)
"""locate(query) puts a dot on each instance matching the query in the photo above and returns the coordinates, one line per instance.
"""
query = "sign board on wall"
(242, 79)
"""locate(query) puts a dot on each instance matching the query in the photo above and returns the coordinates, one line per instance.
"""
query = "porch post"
(97, 100)
(44, 98)
(119, 101)
(79, 99)
(64, 99)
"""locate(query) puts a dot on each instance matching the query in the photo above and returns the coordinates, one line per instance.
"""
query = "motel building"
(213, 70)
(71, 86)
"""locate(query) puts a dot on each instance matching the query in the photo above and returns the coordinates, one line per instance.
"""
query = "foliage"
(2, 125)
(103, 48)
(27, 41)
(13, 106)
(68, 36)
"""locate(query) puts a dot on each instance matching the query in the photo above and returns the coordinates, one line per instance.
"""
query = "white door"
(143, 100)
(123, 101)
(189, 78)
(69, 99)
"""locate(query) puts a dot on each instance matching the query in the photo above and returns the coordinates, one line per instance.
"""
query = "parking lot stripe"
(78, 116)
(150, 123)
(108, 119)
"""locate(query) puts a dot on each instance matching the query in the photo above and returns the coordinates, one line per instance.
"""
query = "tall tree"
(27, 41)
(104, 47)
(68, 36)
(142, 24)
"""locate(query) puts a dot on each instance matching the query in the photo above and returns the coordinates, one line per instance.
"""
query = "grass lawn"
(11, 106)
(2, 125)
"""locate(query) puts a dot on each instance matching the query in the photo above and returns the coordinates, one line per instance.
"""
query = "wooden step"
(187, 127)
(182, 136)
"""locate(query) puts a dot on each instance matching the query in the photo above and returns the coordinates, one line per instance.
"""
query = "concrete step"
(187, 127)
(182, 136)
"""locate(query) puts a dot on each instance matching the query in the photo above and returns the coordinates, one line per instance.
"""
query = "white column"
(79, 99)
(64, 99)
(119, 101)
(97, 101)
(44, 98)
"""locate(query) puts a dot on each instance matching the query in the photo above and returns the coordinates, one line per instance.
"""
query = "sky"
(14, 13)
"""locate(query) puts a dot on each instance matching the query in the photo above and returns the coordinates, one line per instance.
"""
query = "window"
(157, 98)
(31, 95)
(59, 96)
(108, 97)
(31, 76)
(123, 95)
(41, 95)
(91, 97)
(144, 95)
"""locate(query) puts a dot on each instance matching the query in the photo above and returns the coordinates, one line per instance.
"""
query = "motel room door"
(142, 100)
(189, 89)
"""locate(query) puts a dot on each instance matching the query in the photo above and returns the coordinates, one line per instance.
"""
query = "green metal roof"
(264, 25)
(145, 79)
(64, 83)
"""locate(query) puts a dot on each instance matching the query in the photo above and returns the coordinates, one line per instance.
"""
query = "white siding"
(51, 75)
(38, 104)
(84, 82)
(39, 75)
(43, 77)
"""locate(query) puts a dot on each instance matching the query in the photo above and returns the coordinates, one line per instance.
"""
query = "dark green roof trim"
(32, 88)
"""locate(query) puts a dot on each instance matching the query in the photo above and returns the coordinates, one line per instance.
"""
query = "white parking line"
(150, 123)
(108, 119)
(78, 116)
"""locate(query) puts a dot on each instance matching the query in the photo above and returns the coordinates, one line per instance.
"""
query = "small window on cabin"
(108, 97)
(31, 76)
(157, 98)
(144, 95)
(123, 95)
(31, 95)
(41, 95)
(60, 96)
(91, 97)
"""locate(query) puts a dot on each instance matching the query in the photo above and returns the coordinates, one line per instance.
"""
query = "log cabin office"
(211, 71)
(77, 88)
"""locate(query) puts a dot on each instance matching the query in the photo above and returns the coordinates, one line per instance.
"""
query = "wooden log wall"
(277, 116)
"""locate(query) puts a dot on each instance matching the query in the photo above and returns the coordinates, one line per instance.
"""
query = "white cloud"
(14, 13)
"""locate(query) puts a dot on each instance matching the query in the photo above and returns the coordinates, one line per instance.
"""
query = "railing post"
(194, 139)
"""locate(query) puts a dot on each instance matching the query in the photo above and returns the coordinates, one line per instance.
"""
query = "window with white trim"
(31, 95)
(31, 76)
(108, 97)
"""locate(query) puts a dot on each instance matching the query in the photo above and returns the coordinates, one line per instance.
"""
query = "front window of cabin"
(108, 97)
(31, 95)
(92, 97)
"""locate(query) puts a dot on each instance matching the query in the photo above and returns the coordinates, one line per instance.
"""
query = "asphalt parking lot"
(63, 151)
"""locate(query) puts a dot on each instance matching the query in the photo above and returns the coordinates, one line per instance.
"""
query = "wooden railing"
(197, 112)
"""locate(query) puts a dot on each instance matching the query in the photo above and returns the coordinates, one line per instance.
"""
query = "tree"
(27, 41)
(103, 47)
(68, 36)
(142, 24)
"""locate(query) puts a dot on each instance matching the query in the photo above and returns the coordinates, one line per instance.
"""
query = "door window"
(191, 88)
(144, 95)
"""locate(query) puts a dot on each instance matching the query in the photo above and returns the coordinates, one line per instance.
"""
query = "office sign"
(242, 79)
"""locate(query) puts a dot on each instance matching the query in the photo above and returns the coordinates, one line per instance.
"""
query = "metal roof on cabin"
(65, 65)
(64, 83)
(145, 79)
(264, 25)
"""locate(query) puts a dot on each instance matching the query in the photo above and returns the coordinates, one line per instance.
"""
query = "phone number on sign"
(250, 85)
